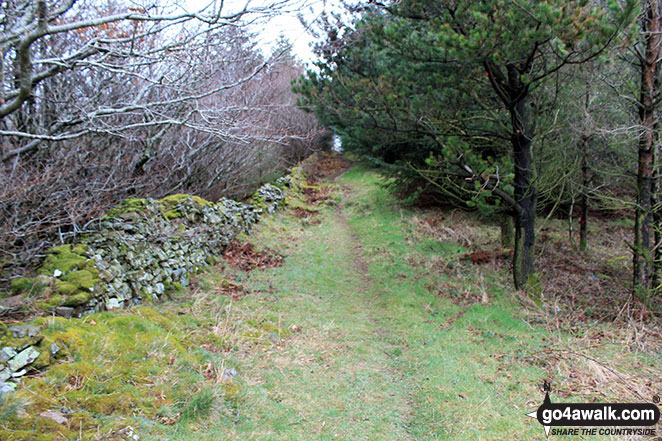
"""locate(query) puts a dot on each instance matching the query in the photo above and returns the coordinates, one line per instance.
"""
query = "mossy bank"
(141, 251)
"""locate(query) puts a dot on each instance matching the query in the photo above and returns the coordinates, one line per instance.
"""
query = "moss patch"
(79, 298)
(19, 343)
(64, 259)
(65, 288)
(175, 199)
(122, 368)
(172, 214)
(22, 284)
(128, 206)
(74, 287)
(83, 279)
(49, 304)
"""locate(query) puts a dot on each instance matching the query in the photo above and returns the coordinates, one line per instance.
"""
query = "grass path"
(336, 378)
(372, 329)
(378, 357)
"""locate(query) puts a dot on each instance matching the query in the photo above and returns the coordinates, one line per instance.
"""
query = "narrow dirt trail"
(393, 340)
(337, 378)
(376, 355)
(385, 338)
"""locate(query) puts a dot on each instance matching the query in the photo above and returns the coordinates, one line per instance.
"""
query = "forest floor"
(346, 317)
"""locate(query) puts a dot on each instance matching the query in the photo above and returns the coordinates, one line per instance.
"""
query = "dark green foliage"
(444, 90)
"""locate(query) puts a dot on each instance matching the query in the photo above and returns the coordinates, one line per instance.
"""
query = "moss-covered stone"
(80, 249)
(46, 356)
(20, 285)
(19, 343)
(77, 282)
(83, 279)
(63, 259)
(43, 361)
(172, 214)
(30, 286)
(80, 298)
(128, 206)
(49, 304)
(175, 199)
(145, 248)
(65, 288)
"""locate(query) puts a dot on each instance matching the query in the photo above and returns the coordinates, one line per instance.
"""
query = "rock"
(5, 374)
(11, 304)
(7, 388)
(228, 374)
(145, 246)
(64, 311)
(22, 331)
(128, 434)
(23, 358)
(19, 374)
(54, 348)
(6, 353)
(54, 415)
(113, 303)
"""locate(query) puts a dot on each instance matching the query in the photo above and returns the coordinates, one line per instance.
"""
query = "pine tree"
(448, 61)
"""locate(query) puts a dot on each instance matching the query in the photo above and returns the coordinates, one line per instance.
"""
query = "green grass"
(379, 356)
(461, 361)
(371, 330)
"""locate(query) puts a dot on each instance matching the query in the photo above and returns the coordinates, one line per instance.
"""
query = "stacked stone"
(146, 248)
(268, 198)
(22, 349)
(140, 251)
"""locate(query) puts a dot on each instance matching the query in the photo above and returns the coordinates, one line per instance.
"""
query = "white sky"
(286, 23)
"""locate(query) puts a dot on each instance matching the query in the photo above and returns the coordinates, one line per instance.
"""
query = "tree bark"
(583, 200)
(656, 284)
(643, 228)
(507, 230)
(586, 177)
(657, 219)
(525, 192)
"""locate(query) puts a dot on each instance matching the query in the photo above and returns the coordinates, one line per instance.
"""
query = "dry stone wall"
(140, 251)
(143, 249)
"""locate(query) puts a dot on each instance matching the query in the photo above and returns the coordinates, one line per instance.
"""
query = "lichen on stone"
(145, 248)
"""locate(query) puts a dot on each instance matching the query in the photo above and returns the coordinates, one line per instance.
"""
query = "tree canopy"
(452, 93)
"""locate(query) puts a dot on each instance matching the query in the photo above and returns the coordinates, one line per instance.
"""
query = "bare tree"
(100, 101)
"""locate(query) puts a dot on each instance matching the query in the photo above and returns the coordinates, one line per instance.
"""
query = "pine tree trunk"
(583, 200)
(657, 219)
(525, 235)
(507, 230)
(525, 192)
(643, 228)
(657, 265)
